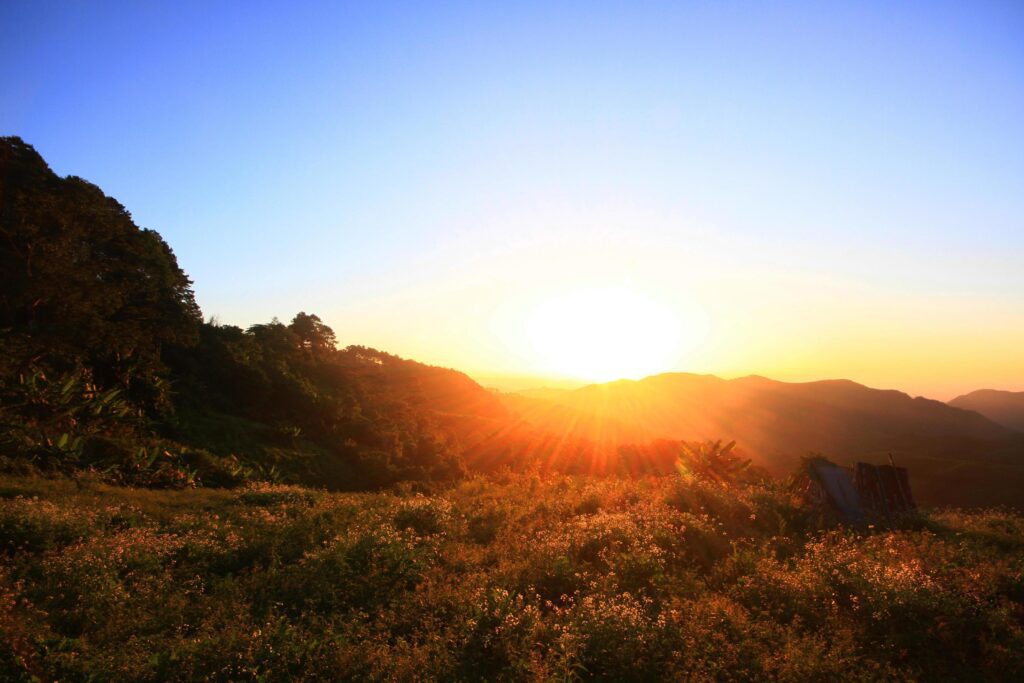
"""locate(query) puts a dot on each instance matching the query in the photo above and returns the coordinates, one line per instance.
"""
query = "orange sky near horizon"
(632, 312)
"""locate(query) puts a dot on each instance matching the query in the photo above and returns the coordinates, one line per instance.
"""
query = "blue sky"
(815, 178)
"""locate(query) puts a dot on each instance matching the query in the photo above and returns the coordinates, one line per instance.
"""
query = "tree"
(314, 336)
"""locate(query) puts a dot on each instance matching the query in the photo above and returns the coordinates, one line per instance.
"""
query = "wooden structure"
(884, 489)
(858, 494)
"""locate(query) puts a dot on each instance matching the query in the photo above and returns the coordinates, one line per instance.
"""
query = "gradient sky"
(814, 189)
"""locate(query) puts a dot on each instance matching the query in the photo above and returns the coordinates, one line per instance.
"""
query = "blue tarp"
(838, 486)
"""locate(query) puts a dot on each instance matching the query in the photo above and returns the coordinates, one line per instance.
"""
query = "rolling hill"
(777, 422)
(1004, 407)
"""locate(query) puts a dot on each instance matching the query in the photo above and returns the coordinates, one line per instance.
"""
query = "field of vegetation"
(510, 577)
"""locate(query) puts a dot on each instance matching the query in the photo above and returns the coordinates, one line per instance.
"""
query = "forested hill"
(106, 363)
(283, 397)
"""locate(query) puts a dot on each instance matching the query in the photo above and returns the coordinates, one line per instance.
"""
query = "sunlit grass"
(515, 577)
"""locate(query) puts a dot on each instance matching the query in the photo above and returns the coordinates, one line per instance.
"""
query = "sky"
(567, 190)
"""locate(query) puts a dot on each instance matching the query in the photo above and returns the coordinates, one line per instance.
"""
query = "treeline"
(283, 397)
(106, 365)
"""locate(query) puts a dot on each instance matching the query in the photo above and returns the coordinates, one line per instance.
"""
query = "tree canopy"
(80, 283)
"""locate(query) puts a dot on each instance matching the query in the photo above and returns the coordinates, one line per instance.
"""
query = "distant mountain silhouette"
(1004, 407)
(777, 422)
(769, 417)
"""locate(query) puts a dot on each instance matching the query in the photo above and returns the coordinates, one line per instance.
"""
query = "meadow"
(507, 577)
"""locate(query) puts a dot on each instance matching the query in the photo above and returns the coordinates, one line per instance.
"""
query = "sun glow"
(606, 334)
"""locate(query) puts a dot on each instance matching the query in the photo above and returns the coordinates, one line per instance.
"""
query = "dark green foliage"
(53, 421)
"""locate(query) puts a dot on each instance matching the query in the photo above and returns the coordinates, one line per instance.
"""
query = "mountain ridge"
(838, 391)
(776, 422)
(1000, 406)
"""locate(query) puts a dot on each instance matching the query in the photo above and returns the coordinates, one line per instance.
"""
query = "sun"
(603, 334)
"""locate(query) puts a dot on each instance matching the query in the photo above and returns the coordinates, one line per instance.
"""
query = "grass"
(515, 578)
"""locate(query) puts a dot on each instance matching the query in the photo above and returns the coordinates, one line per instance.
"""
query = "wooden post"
(904, 497)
